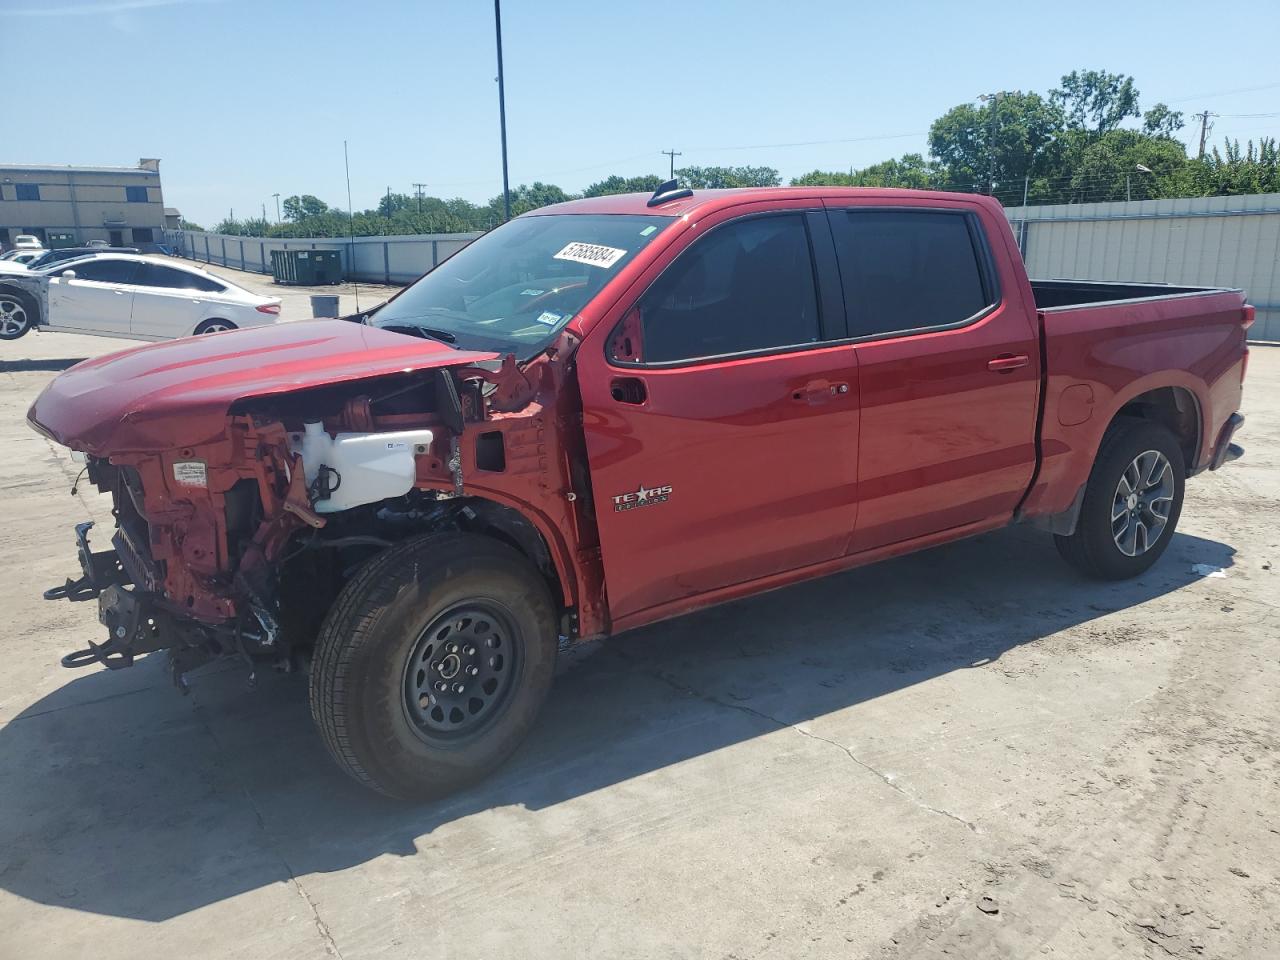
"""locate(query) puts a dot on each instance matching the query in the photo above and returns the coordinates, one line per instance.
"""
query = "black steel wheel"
(433, 664)
(461, 670)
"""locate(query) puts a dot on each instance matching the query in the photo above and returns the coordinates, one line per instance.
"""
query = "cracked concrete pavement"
(840, 769)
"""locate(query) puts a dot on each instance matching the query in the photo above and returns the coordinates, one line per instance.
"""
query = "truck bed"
(1057, 294)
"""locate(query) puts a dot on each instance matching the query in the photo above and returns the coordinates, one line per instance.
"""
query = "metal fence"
(1199, 241)
(399, 259)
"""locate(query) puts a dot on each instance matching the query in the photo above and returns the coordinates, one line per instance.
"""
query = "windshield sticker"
(549, 317)
(532, 293)
(648, 230)
(592, 254)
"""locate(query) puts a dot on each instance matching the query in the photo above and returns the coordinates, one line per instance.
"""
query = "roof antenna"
(668, 191)
(351, 220)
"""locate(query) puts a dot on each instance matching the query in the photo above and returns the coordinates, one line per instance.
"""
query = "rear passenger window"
(905, 270)
(155, 275)
(747, 285)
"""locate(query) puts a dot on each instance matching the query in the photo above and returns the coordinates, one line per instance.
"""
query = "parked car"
(98, 244)
(49, 257)
(614, 411)
(22, 258)
(124, 295)
(25, 241)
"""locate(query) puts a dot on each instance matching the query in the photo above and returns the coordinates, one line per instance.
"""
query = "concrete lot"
(841, 769)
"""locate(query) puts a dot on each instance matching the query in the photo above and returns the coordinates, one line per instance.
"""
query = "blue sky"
(243, 99)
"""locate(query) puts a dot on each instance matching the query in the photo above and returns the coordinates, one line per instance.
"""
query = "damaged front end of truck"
(251, 474)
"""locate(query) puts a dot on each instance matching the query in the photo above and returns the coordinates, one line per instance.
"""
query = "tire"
(17, 315)
(214, 325)
(1099, 547)
(393, 623)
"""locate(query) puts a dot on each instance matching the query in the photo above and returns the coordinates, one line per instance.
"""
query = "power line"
(1226, 93)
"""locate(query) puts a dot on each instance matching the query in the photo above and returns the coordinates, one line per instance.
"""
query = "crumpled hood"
(169, 394)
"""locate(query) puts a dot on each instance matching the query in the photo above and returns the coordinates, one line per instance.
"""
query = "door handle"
(628, 390)
(1007, 362)
(819, 391)
(118, 293)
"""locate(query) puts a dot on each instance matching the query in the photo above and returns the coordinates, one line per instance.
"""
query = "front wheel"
(1131, 504)
(16, 316)
(433, 664)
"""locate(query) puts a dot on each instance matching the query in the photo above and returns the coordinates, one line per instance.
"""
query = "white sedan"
(125, 295)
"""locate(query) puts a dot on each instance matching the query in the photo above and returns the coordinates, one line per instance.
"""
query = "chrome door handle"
(1007, 363)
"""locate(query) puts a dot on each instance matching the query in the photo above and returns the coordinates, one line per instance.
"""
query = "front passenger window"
(748, 285)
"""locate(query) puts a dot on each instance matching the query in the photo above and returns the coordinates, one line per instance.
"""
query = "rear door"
(170, 302)
(98, 299)
(949, 368)
(721, 421)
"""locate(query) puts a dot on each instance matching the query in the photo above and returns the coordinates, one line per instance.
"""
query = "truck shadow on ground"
(122, 798)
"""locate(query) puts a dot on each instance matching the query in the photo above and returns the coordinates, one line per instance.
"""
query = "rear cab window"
(911, 269)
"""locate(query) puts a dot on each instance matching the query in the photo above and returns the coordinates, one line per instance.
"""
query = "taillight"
(1250, 315)
(271, 308)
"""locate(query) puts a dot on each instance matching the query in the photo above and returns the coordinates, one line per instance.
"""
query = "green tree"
(185, 224)
(1096, 100)
(712, 178)
(615, 184)
(1006, 140)
(911, 171)
(1160, 121)
(300, 208)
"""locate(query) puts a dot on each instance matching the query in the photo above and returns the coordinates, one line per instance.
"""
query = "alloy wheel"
(13, 317)
(1143, 500)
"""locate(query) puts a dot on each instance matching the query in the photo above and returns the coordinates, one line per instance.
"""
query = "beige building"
(67, 206)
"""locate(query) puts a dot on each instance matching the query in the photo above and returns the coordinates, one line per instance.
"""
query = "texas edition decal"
(644, 497)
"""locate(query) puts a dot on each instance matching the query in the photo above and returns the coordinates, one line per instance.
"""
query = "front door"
(93, 296)
(721, 425)
(949, 370)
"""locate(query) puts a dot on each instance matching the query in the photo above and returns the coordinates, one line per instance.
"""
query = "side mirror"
(68, 274)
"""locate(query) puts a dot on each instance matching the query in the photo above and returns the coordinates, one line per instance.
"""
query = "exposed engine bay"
(237, 546)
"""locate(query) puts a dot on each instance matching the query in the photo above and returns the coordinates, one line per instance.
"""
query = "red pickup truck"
(617, 410)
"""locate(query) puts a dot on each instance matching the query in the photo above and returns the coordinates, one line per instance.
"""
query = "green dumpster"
(306, 267)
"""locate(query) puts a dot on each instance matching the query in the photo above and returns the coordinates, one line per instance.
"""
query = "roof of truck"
(704, 201)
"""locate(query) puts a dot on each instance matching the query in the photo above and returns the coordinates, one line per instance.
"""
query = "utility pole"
(417, 187)
(277, 196)
(673, 154)
(1204, 130)
(264, 213)
(993, 101)
(502, 110)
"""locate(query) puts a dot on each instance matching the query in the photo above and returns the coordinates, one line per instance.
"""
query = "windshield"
(513, 289)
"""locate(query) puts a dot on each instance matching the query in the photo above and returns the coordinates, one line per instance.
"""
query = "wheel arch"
(1174, 406)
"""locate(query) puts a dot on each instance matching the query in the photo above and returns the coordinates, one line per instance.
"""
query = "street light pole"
(502, 110)
(277, 196)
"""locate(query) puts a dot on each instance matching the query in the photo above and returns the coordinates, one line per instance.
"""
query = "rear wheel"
(1131, 504)
(17, 315)
(215, 326)
(433, 664)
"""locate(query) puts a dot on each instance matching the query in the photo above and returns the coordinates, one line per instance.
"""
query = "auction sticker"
(592, 254)
(191, 473)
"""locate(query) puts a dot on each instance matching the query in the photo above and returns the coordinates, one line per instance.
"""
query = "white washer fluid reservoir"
(366, 467)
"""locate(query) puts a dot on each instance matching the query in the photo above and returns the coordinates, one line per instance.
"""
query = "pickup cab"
(614, 411)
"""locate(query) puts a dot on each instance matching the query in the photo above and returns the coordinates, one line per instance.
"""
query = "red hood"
(168, 394)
